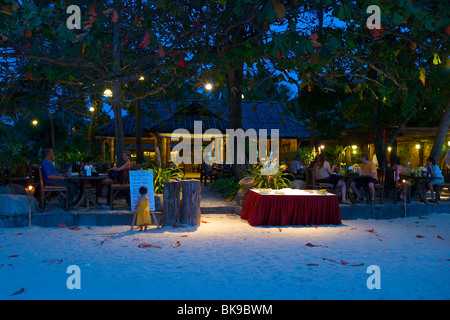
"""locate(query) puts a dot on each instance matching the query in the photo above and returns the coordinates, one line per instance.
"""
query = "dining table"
(263, 207)
(418, 183)
(85, 183)
(347, 179)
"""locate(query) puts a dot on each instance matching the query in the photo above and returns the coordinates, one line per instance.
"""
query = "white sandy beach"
(225, 258)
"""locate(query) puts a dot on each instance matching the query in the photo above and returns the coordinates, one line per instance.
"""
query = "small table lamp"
(30, 194)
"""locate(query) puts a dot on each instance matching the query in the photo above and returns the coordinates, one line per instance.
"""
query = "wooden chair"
(439, 187)
(205, 175)
(390, 182)
(115, 189)
(311, 182)
(226, 171)
(46, 191)
(380, 185)
(33, 175)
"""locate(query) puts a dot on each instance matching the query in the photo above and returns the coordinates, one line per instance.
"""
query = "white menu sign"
(139, 178)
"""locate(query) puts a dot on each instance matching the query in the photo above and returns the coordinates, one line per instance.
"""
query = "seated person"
(368, 169)
(400, 170)
(53, 178)
(323, 174)
(297, 164)
(210, 168)
(435, 173)
(115, 174)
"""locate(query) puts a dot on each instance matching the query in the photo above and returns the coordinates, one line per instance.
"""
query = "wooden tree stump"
(171, 203)
(190, 203)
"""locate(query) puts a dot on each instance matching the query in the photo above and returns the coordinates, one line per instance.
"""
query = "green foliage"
(334, 154)
(306, 153)
(277, 181)
(161, 175)
(14, 149)
(228, 187)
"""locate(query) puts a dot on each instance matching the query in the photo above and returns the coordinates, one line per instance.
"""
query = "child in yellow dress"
(143, 211)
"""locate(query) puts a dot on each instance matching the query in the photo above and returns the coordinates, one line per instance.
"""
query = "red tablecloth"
(281, 210)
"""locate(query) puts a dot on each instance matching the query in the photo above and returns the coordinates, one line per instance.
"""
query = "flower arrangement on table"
(279, 180)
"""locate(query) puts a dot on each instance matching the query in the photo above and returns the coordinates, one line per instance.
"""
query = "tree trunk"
(235, 112)
(139, 152)
(52, 129)
(171, 203)
(89, 138)
(380, 148)
(117, 90)
(190, 202)
(441, 132)
(312, 128)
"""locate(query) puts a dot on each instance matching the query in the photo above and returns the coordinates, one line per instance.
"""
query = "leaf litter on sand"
(147, 245)
(18, 292)
(176, 244)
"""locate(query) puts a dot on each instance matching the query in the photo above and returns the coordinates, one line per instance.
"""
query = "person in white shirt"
(436, 176)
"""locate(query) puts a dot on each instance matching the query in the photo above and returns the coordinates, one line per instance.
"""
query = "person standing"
(143, 210)
(53, 178)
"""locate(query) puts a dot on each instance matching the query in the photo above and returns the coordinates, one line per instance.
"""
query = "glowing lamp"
(108, 93)
(29, 191)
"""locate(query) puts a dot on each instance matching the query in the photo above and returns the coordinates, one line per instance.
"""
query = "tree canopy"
(380, 78)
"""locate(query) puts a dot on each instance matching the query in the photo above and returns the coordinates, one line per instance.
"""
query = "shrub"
(228, 187)
(161, 175)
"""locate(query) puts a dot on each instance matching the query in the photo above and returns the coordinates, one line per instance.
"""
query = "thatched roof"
(166, 117)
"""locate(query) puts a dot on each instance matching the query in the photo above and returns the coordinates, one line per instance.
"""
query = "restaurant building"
(161, 119)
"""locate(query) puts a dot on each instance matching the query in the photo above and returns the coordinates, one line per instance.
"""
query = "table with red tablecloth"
(293, 207)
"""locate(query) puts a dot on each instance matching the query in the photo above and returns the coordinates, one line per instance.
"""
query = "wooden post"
(111, 151)
(190, 203)
(171, 203)
(163, 152)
